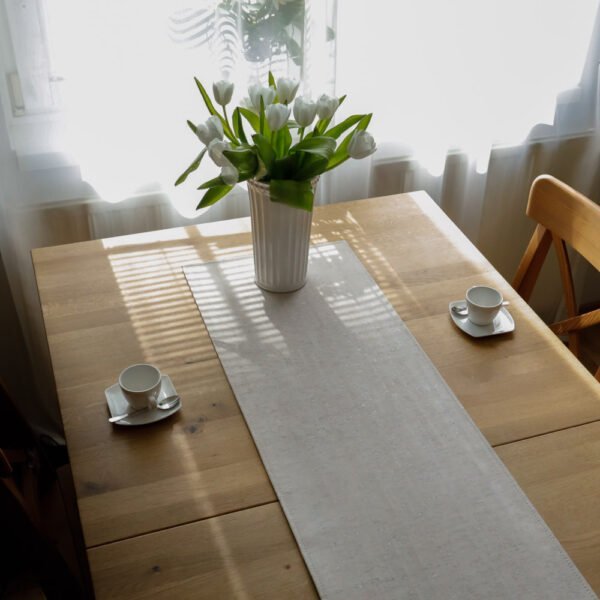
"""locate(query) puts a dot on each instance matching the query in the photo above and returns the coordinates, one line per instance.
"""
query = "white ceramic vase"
(280, 240)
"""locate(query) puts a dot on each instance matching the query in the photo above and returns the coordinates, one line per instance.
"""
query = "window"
(107, 85)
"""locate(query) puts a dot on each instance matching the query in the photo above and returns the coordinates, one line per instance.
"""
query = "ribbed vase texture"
(280, 241)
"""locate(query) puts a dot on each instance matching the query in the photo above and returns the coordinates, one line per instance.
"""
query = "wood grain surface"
(560, 473)
(247, 554)
(110, 303)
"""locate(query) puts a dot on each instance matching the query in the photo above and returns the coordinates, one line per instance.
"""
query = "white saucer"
(503, 323)
(117, 405)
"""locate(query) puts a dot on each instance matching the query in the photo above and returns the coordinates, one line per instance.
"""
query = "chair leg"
(532, 261)
(567, 281)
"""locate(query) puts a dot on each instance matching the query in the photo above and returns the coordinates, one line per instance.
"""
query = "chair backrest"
(568, 214)
(564, 216)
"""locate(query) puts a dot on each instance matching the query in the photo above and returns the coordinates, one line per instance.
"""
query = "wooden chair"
(564, 216)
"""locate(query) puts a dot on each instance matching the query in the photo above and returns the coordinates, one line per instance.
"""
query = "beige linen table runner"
(388, 486)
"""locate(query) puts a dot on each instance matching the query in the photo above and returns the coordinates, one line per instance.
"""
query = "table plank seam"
(531, 437)
(181, 524)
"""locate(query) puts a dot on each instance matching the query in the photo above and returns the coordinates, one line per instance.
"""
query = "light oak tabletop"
(184, 508)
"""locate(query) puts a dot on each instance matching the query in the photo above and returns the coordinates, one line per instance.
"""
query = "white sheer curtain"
(462, 76)
(129, 87)
(471, 100)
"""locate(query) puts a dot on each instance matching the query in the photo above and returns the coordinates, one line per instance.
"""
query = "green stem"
(301, 159)
(234, 140)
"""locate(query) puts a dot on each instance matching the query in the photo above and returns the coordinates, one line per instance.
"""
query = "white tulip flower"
(229, 174)
(223, 91)
(326, 106)
(257, 91)
(305, 111)
(215, 151)
(211, 130)
(277, 116)
(361, 145)
(286, 89)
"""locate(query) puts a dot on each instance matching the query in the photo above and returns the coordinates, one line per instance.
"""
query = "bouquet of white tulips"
(283, 152)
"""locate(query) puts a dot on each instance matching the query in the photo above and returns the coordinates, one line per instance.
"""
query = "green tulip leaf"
(341, 154)
(211, 183)
(251, 117)
(298, 194)
(195, 164)
(320, 127)
(261, 116)
(364, 122)
(214, 195)
(312, 166)
(261, 173)
(273, 84)
(191, 126)
(238, 126)
(287, 140)
(266, 130)
(284, 168)
(265, 150)
(206, 98)
(245, 175)
(321, 145)
(243, 159)
(337, 130)
(282, 141)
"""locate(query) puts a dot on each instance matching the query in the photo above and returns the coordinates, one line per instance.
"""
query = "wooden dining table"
(183, 508)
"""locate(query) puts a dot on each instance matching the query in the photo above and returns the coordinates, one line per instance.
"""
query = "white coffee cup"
(140, 385)
(483, 304)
